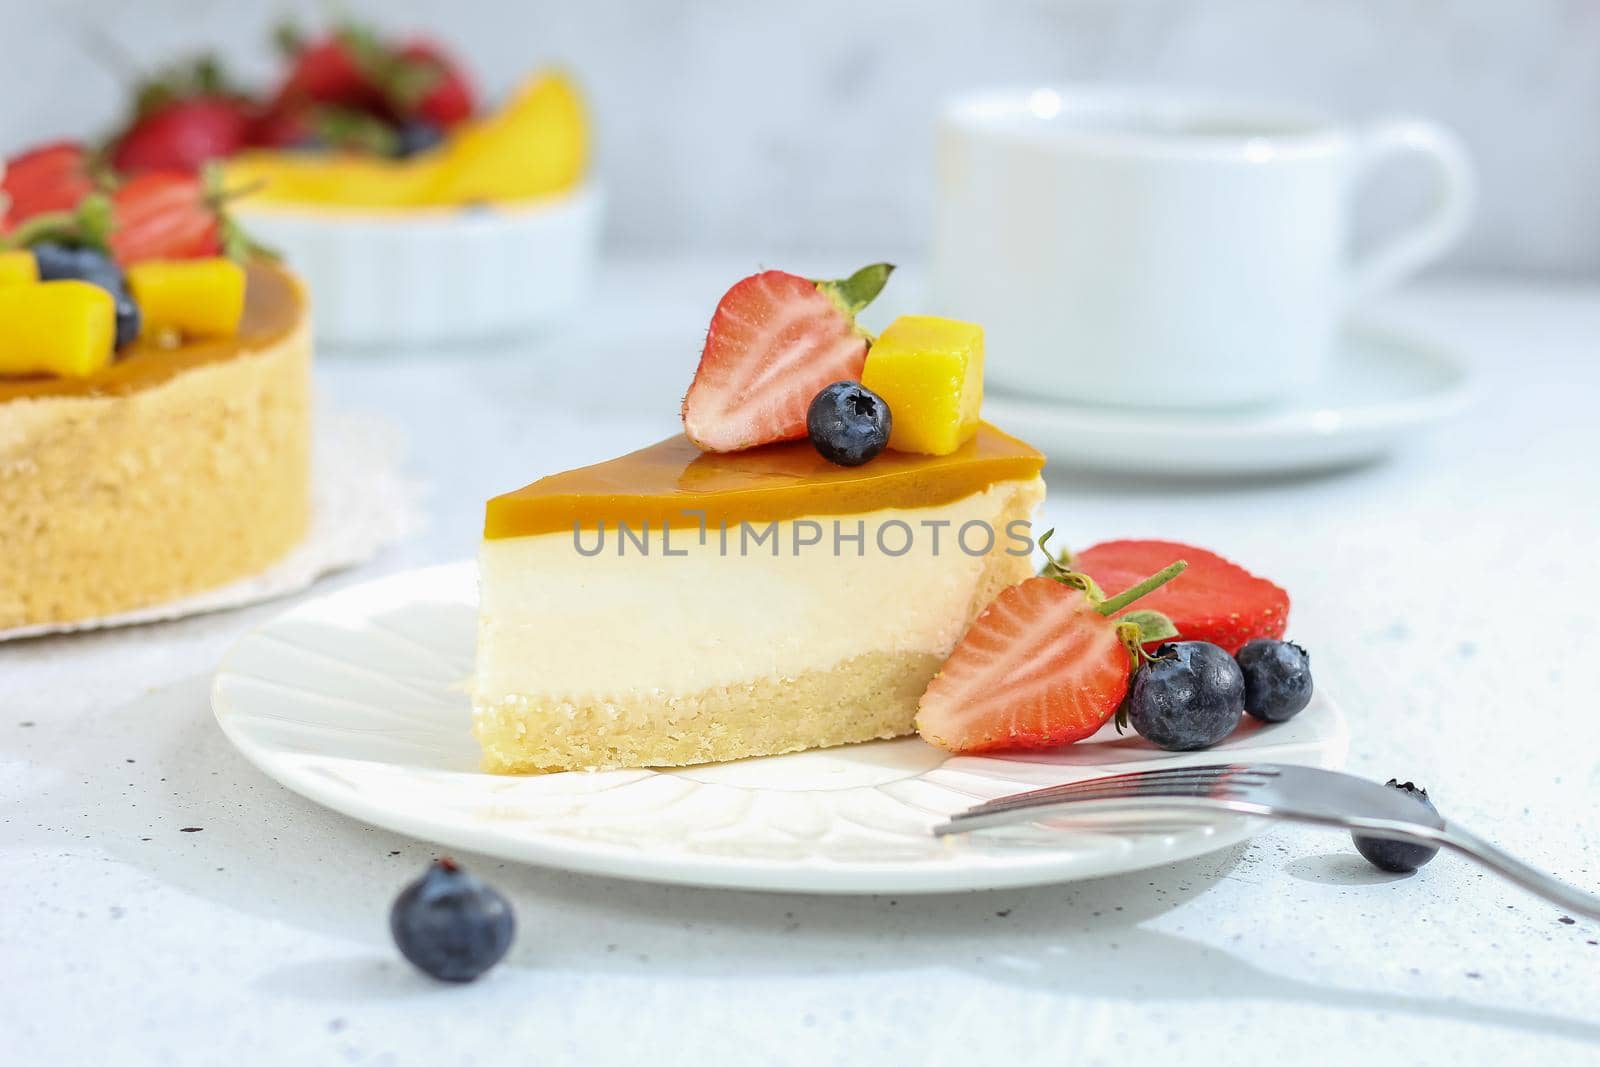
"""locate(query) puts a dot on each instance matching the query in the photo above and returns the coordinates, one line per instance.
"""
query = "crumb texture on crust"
(868, 696)
(109, 503)
(871, 696)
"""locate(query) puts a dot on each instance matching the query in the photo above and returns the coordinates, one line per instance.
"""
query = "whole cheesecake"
(172, 471)
(674, 607)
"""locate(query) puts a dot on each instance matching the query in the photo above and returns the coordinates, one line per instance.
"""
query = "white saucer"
(357, 700)
(1383, 385)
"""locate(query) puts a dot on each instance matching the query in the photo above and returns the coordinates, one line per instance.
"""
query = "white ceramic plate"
(357, 700)
(1381, 386)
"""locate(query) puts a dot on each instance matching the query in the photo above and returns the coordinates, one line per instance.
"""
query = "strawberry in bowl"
(371, 157)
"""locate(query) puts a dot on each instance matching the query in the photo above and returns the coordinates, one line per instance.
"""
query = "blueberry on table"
(1397, 857)
(1189, 696)
(450, 924)
(1277, 679)
(848, 423)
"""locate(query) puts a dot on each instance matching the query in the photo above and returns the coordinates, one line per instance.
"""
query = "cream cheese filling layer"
(765, 600)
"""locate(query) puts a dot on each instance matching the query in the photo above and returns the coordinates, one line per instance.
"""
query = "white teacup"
(1167, 250)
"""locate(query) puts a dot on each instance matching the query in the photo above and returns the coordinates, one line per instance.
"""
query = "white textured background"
(726, 124)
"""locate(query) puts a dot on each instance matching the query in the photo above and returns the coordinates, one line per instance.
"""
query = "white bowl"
(433, 275)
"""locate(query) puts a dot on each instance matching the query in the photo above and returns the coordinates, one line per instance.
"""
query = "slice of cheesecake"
(674, 607)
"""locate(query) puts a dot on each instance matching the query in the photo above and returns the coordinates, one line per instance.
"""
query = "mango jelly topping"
(657, 485)
(274, 306)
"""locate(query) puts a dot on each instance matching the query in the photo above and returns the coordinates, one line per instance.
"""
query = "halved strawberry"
(1215, 600)
(51, 177)
(164, 215)
(1043, 665)
(775, 341)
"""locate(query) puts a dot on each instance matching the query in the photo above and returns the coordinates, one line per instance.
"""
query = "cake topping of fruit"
(775, 341)
(1045, 664)
(63, 328)
(1215, 600)
(189, 298)
(848, 423)
(1277, 679)
(18, 267)
(94, 237)
(1188, 696)
(50, 178)
(58, 262)
(930, 370)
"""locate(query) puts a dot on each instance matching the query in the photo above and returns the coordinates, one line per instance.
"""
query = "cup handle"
(1455, 190)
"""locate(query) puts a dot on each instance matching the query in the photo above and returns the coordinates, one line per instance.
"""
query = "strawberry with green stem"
(158, 215)
(47, 179)
(183, 117)
(1045, 664)
(1216, 600)
(775, 341)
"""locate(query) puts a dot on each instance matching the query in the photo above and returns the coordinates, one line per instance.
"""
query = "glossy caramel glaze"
(784, 481)
(273, 305)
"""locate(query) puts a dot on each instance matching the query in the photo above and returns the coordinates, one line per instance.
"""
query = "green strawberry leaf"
(860, 289)
(1153, 626)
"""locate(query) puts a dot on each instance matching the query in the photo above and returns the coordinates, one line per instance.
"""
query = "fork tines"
(1222, 779)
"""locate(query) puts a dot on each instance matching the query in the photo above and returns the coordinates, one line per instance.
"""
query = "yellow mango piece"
(930, 371)
(18, 268)
(537, 144)
(198, 298)
(331, 180)
(64, 329)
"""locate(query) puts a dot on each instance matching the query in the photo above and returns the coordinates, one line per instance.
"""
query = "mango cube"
(18, 268)
(194, 298)
(65, 329)
(930, 371)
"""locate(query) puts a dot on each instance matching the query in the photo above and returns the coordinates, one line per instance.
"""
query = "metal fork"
(1150, 799)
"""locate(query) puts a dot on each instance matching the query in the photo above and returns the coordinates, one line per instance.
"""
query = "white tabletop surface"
(1448, 597)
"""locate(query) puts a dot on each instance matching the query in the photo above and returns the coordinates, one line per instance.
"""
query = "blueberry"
(82, 263)
(1397, 857)
(450, 924)
(129, 318)
(415, 135)
(848, 423)
(1277, 679)
(59, 261)
(1189, 696)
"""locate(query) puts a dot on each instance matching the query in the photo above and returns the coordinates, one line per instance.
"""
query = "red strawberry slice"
(1038, 668)
(183, 135)
(1214, 600)
(51, 177)
(775, 341)
(164, 215)
(440, 92)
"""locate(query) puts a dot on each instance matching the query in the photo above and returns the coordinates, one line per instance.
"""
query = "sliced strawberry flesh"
(1213, 600)
(163, 215)
(1039, 667)
(774, 342)
(51, 177)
